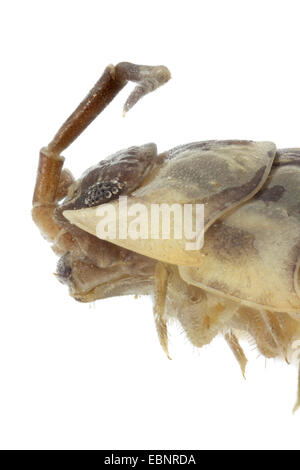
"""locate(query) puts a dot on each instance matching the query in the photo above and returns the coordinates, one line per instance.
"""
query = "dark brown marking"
(273, 194)
(206, 145)
(235, 194)
(230, 243)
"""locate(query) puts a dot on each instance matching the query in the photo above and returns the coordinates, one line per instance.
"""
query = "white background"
(94, 376)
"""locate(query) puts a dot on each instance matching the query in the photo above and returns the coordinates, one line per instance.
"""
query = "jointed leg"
(108, 86)
(46, 188)
(237, 350)
(49, 177)
(52, 185)
(160, 293)
(297, 405)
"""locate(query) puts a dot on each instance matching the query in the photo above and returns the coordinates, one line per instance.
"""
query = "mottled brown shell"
(252, 219)
(219, 174)
(253, 254)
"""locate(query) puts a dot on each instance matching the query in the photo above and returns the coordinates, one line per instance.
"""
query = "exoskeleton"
(245, 279)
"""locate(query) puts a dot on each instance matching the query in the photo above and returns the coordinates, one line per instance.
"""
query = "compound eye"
(102, 191)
